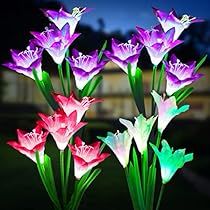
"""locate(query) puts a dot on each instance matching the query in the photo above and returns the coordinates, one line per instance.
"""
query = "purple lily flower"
(25, 61)
(85, 67)
(157, 42)
(55, 41)
(124, 53)
(61, 17)
(171, 20)
(178, 74)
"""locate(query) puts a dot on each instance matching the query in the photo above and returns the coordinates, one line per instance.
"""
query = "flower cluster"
(56, 40)
(158, 41)
(67, 118)
(62, 125)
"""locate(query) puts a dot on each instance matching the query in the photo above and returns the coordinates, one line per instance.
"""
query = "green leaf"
(49, 176)
(131, 185)
(43, 171)
(200, 63)
(40, 84)
(80, 188)
(138, 179)
(68, 75)
(161, 76)
(134, 183)
(47, 82)
(94, 84)
(91, 86)
(184, 94)
(151, 188)
(139, 91)
(102, 146)
(61, 77)
(84, 91)
(102, 50)
(131, 78)
(136, 84)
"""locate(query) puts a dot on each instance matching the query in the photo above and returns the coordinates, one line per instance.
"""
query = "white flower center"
(77, 12)
(47, 31)
(28, 56)
(83, 151)
(28, 53)
(178, 68)
(32, 139)
(127, 49)
(84, 62)
(86, 102)
(186, 20)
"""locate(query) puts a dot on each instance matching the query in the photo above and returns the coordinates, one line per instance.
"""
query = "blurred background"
(20, 186)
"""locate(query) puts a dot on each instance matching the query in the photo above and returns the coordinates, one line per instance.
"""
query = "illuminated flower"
(29, 143)
(61, 17)
(140, 130)
(170, 161)
(55, 41)
(120, 144)
(157, 42)
(25, 61)
(61, 126)
(70, 104)
(85, 67)
(167, 109)
(178, 74)
(124, 53)
(85, 156)
(170, 20)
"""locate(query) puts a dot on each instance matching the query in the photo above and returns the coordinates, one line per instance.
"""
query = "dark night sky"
(126, 14)
(22, 16)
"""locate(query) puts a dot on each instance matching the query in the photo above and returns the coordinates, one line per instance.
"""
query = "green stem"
(160, 196)
(152, 177)
(62, 176)
(157, 145)
(144, 164)
(160, 80)
(68, 75)
(68, 165)
(153, 77)
(60, 71)
(153, 87)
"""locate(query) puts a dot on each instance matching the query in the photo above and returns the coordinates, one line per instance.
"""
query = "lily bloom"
(140, 130)
(85, 156)
(178, 74)
(61, 17)
(61, 126)
(70, 104)
(167, 109)
(157, 42)
(171, 20)
(25, 61)
(55, 41)
(170, 161)
(29, 143)
(120, 144)
(85, 67)
(124, 53)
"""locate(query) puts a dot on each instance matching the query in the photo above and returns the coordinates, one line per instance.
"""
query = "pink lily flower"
(86, 156)
(61, 126)
(29, 143)
(70, 104)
